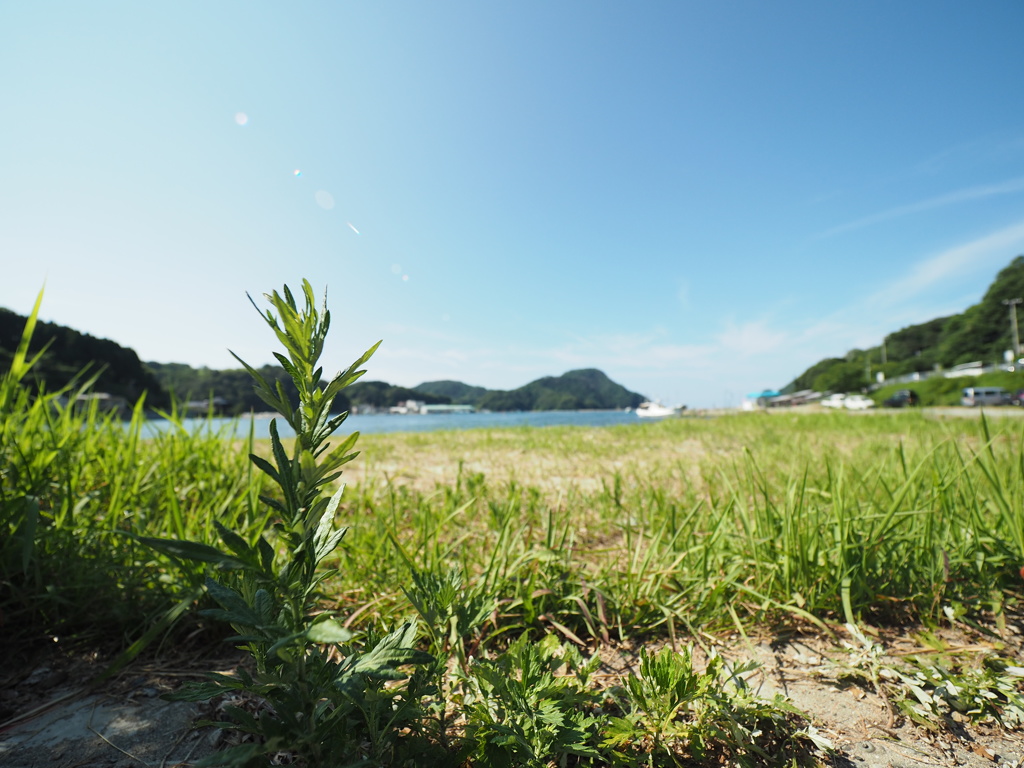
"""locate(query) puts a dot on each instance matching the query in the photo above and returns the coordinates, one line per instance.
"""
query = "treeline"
(70, 356)
(380, 394)
(120, 372)
(575, 390)
(586, 389)
(227, 392)
(980, 333)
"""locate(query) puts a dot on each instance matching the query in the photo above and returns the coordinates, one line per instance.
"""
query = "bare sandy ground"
(128, 725)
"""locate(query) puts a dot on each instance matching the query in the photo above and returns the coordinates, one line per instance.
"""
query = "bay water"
(371, 423)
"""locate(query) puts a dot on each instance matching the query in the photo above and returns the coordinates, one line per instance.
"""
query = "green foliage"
(61, 354)
(380, 394)
(455, 391)
(321, 705)
(451, 614)
(233, 388)
(575, 390)
(841, 377)
(72, 483)
(917, 345)
(982, 332)
(677, 715)
(930, 689)
(531, 706)
(806, 379)
(542, 537)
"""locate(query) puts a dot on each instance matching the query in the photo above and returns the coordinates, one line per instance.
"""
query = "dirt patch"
(129, 725)
(94, 730)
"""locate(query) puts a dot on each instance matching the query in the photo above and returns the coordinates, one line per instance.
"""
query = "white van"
(973, 396)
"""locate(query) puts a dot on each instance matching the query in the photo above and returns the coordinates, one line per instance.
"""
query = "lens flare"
(296, 172)
(241, 118)
(352, 227)
(324, 199)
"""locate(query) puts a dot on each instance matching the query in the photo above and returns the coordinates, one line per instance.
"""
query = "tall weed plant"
(320, 692)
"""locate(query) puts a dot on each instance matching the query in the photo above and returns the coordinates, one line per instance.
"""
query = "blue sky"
(701, 199)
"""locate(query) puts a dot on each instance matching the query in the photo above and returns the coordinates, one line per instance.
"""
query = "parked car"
(902, 399)
(1017, 398)
(975, 396)
(858, 402)
(834, 400)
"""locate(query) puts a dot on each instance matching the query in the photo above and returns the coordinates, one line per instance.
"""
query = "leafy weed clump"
(676, 715)
(324, 692)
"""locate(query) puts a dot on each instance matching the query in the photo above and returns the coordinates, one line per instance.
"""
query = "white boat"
(655, 410)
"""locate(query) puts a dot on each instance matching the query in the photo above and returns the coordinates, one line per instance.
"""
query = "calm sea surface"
(385, 422)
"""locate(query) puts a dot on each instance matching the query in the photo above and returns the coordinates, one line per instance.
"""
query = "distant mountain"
(587, 389)
(232, 388)
(982, 332)
(455, 391)
(576, 390)
(380, 394)
(70, 353)
(122, 373)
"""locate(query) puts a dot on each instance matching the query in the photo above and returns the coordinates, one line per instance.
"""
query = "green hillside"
(587, 389)
(69, 353)
(380, 394)
(233, 387)
(981, 333)
(122, 373)
(455, 391)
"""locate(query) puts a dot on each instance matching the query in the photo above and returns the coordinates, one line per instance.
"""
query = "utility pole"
(1012, 304)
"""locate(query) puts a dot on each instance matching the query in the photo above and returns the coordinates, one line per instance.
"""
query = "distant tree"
(983, 331)
(456, 391)
(806, 380)
(583, 389)
(841, 377)
(380, 394)
(70, 353)
(911, 342)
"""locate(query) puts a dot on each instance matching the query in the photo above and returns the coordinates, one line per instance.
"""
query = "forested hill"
(587, 389)
(455, 391)
(982, 332)
(575, 390)
(70, 353)
(121, 373)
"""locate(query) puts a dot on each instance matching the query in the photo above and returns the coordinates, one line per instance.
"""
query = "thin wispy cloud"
(983, 252)
(952, 198)
(987, 149)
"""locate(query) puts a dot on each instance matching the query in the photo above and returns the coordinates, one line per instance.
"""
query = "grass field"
(742, 518)
(459, 616)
